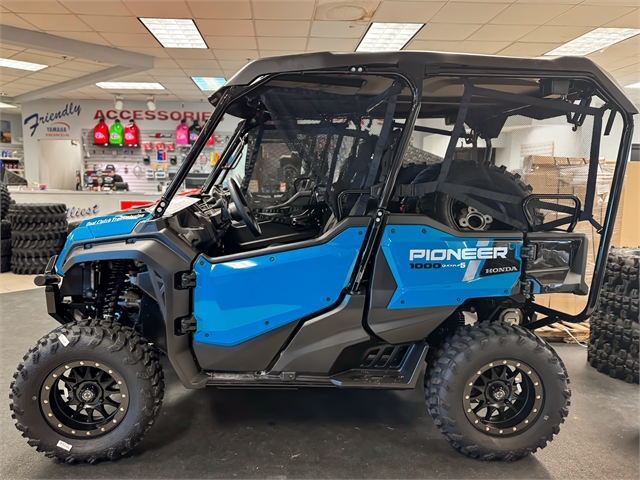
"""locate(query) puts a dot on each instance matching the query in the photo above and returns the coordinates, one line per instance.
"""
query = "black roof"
(453, 63)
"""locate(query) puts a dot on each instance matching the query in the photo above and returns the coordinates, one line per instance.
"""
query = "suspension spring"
(114, 288)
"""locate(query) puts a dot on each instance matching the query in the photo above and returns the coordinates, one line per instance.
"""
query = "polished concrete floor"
(322, 433)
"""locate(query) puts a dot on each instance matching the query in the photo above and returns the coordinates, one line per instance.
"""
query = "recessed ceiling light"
(130, 86)
(633, 85)
(594, 40)
(175, 32)
(6, 105)
(208, 84)
(385, 37)
(34, 67)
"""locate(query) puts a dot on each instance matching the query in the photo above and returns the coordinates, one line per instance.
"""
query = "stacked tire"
(39, 231)
(5, 232)
(615, 327)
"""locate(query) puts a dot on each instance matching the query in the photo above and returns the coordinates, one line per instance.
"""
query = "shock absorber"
(114, 287)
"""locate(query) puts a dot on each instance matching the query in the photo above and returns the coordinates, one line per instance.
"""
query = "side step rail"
(404, 377)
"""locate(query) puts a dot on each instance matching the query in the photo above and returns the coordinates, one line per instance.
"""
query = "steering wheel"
(242, 209)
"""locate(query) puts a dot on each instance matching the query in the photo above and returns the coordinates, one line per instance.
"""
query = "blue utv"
(376, 220)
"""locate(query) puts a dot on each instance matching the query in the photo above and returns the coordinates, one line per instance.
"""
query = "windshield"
(317, 140)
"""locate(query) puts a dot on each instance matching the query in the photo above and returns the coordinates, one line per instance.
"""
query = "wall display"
(52, 118)
(5, 131)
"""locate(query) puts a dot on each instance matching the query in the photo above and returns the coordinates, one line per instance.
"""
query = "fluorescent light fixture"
(6, 105)
(209, 84)
(388, 37)
(633, 85)
(594, 40)
(175, 32)
(130, 86)
(34, 67)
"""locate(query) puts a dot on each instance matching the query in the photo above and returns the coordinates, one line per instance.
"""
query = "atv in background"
(367, 226)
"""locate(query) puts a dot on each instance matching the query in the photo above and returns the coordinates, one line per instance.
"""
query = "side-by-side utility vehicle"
(376, 220)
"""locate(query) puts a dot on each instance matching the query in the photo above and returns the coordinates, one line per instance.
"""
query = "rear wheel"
(498, 392)
(88, 391)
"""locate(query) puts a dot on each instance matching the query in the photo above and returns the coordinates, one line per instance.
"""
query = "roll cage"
(556, 97)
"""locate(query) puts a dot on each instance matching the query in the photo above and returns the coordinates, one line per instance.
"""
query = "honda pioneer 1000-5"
(375, 221)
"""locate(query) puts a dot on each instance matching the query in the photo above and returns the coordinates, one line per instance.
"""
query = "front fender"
(164, 254)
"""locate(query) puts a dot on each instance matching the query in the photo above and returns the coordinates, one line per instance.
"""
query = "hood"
(100, 227)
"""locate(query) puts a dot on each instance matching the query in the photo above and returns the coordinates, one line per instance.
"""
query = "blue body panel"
(455, 280)
(238, 300)
(100, 227)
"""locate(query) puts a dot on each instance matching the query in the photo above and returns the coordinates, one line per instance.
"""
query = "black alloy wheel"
(84, 398)
(503, 397)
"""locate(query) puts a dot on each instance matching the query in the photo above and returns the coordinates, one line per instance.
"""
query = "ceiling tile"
(231, 43)
(282, 43)
(30, 6)
(190, 53)
(624, 63)
(56, 23)
(232, 64)
(4, 79)
(549, 34)
(14, 72)
(430, 45)
(360, 10)
(555, 2)
(590, 16)
(276, 53)
(112, 24)
(332, 44)
(90, 37)
(604, 59)
(502, 32)
(64, 72)
(36, 83)
(489, 48)
(235, 54)
(220, 9)
(204, 72)
(166, 72)
(520, 49)
(613, 3)
(95, 7)
(630, 20)
(131, 39)
(15, 21)
(407, 12)
(629, 47)
(282, 28)
(522, 14)
(41, 59)
(445, 31)
(242, 28)
(337, 29)
(461, 12)
(158, 9)
(165, 63)
(10, 49)
(209, 63)
(283, 9)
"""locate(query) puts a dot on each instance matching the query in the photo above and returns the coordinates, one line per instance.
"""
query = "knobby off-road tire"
(122, 354)
(5, 226)
(470, 351)
(5, 200)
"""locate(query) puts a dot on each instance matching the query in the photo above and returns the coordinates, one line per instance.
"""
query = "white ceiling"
(240, 30)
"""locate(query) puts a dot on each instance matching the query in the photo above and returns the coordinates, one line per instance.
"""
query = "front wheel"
(498, 392)
(88, 391)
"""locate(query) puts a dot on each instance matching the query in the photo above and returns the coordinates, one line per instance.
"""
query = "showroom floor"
(321, 433)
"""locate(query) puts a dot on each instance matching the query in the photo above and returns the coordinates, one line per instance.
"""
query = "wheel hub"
(473, 219)
(503, 397)
(84, 398)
